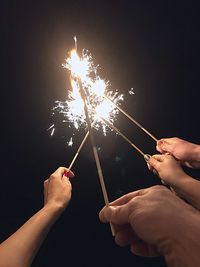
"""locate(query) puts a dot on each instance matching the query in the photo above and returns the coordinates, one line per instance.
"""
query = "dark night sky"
(152, 46)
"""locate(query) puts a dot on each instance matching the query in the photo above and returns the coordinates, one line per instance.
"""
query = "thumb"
(115, 214)
(164, 146)
(155, 161)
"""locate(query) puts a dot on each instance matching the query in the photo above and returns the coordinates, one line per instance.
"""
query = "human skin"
(153, 222)
(170, 171)
(186, 152)
(20, 248)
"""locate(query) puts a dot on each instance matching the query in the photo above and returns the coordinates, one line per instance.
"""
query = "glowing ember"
(131, 91)
(70, 143)
(52, 129)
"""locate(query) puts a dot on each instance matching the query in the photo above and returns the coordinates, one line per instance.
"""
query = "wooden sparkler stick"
(122, 135)
(96, 156)
(133, 120)
(78, 151)
(145, 156)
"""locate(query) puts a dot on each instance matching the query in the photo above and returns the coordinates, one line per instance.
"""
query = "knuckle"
(135, 202)
(176, 139)
(61, 168)
(136, 208)
(53, 176)
(154, 163)
(158, 188)
(45, 182)
(151, 161)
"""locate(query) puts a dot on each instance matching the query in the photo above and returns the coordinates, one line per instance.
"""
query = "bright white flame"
(82, 70)
(103, 109)
(99, 87)
(78, 67)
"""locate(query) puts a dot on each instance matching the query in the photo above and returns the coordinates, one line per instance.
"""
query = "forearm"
(20, 248)
(188, 189)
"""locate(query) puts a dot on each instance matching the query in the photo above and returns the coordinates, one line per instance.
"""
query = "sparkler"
(123, 136)
(145, 156)
(83, 69)
(78, 151)
(81, 83)
(92, 103)
(133, 120)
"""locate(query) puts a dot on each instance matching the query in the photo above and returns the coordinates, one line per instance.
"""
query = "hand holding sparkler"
(142, 218)
(186, 152)
(22, 246)
(57, 188)
(170, 171)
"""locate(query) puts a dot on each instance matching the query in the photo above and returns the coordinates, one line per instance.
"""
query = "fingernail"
(66, 173)
(69, 174)
(147, 157)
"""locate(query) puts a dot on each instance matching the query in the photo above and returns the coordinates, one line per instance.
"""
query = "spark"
(70, 142)
(131, 91)
(82, 69)
(52, 128)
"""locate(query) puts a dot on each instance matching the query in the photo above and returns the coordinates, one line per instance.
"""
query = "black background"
(152, 46)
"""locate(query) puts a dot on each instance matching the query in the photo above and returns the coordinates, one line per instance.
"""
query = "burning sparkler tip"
(99, 97)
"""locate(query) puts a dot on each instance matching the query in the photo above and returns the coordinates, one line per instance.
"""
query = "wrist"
(183, 248)
(53, 208)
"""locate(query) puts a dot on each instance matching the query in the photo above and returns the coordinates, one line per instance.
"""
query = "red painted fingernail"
(66, 173)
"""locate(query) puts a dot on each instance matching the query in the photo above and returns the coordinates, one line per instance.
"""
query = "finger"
(169, 141)
(155, 162)
(68, 173)
(159, 146)
(158, 157)
(113, 209)
(60, 172)
(165, 145)
(125, 236)
(119, 215)
(66, 181)
(149, 167)
(114, 214)
(126, 198)
(140, 248)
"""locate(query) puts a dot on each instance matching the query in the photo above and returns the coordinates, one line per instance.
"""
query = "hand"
(184, 151)
(148, 220)
(57, 189)
(168, 168)
(170, 172)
